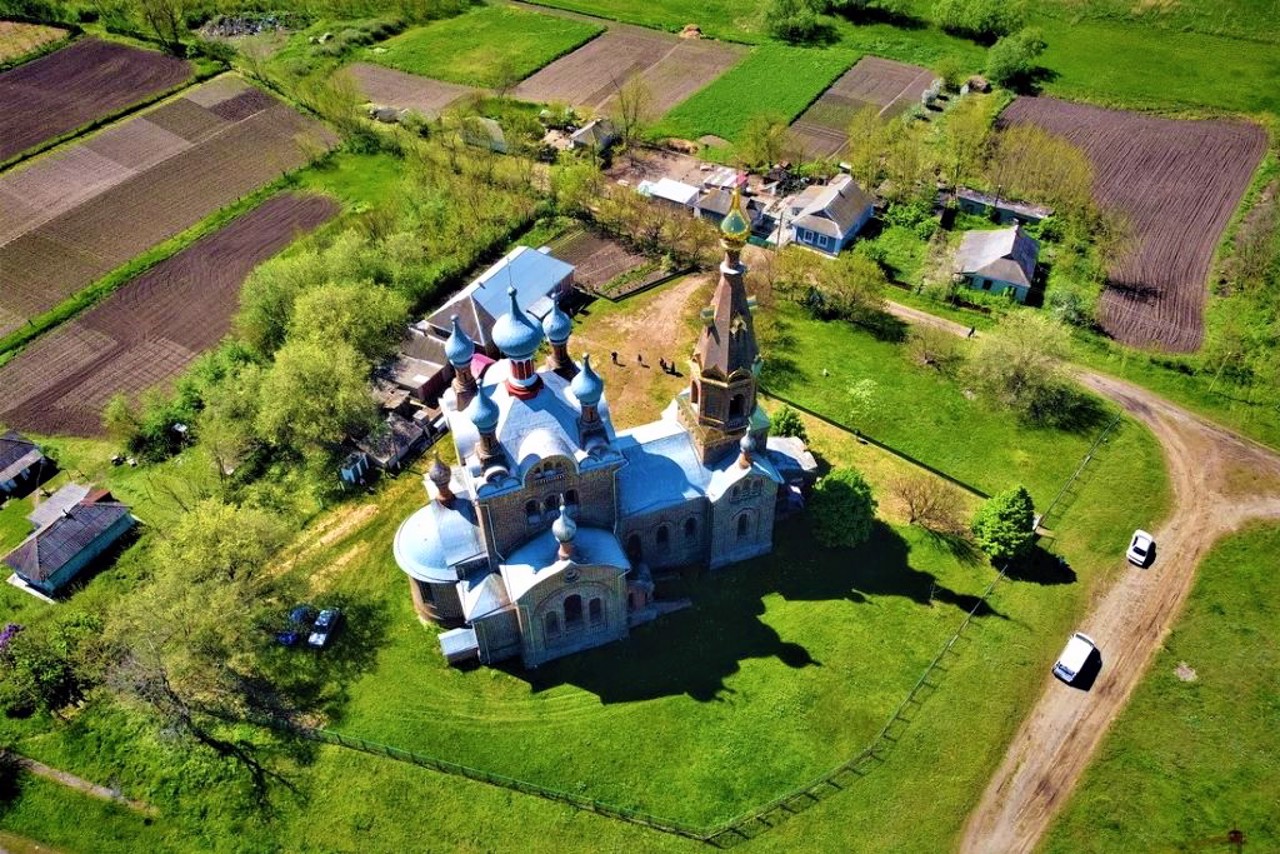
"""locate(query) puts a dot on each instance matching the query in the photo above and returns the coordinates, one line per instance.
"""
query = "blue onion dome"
(515, 334)
(735, 227)
(483, 412)
(587, 386)
(557, 324)
(439, 473)
(459, 348)
(563, 528)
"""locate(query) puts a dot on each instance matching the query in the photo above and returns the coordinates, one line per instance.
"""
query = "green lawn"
(482, 47)
(1189, 760)
(14, 526)
(773, 78)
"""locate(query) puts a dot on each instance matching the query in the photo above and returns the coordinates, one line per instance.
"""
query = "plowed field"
(673, 69)
(76, 85)
(148, 331)
(1177, 182)
(71, 217)
(404, 91)
(891, 87)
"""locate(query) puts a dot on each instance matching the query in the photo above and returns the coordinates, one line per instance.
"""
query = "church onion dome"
(735, 226)
(557, 324)
(516, 335)
(459, 348)
(747, 445)
(587, 386)
(483, 412)
(439, 473)
(563, 528)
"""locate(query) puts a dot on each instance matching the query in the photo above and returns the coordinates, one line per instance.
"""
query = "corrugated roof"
(58, 543)
(51, 508)
(533, 274)
(1006, 255)
(17, 454)
(833, 209)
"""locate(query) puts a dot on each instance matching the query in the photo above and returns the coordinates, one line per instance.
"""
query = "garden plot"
(17, 39)
(161, 173)
(891, 87)
(1177, 182)
(86, 81)
(598, 261)
(673, 69)
(403, 91)
(149, 330)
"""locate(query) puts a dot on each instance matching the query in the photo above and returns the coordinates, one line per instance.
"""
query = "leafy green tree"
(1019, 365)
(1011, 61)
(982, 20)
(316, 393)
(368, 317)
(793, 20)
(267, 297)
(764, 140)
(50, 667)
(868, 139)
(1004, 525)
(119, 419)
(842, 509)
(787, 422)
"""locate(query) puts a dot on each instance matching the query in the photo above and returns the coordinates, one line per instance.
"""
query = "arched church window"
(425, 592)
(633, 547)
(736, 406)
(573, 612)
(690, 528)
(743, 524)
(531, 510)
(663, 537)
(595, 612)
(551, 623)
(693, 393)
(736, 492)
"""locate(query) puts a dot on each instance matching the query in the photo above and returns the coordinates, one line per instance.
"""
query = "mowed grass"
(1189, 760)
(773, 78)
(482, 47)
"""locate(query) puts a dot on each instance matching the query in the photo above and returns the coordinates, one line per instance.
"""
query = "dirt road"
(1220, 481)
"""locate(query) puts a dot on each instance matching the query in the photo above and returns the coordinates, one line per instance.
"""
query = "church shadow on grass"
(693, 651)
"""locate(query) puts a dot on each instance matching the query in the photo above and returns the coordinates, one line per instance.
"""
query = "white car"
(1141, 548)
(1073, 657)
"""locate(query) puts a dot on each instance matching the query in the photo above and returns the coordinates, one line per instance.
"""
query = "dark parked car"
(301, 619)
(325, 627)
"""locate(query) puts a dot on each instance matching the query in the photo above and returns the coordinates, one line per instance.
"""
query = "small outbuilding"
(1000, 261)
(669, 192)
(827, 217)
(21, 462)
(388, 446)
(597, 135)
(64, 545)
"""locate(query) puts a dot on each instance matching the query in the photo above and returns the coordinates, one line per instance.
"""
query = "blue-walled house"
(1002, 261)
(85, 524)
(827, 217)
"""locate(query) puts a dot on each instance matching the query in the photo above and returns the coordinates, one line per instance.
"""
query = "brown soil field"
(147, 332)
(597, 259)
(17, 40)
(76, 85)
(1177, 182)
(673, 68)
(392, 88)
(160, 172)
(891, 87)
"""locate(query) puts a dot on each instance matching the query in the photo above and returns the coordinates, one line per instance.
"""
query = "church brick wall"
(509, 518)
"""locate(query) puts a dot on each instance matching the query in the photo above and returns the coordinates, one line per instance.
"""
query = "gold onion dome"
(735, 226)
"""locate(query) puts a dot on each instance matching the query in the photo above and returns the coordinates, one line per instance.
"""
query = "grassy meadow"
(772, 78)
(486, 47)
(1191, 758)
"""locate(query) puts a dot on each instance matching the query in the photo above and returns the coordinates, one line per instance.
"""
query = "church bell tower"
(723, 372)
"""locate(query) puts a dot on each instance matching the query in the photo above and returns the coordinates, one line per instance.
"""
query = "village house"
(596, 135)
(827, 217)
(21, 463)
(543, 540)
(73, 526)
(676, 195)
(1005, 211)
(1000, 261)
(715, 203)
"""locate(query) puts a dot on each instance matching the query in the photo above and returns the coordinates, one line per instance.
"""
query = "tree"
(787, 422)
(120, 419)
(850, 288)
(1019, 365)
(982, 20)
(1011, 61)
(167, 19)
(633, 110)
(842, 509)
(965, 137)
(1031, 163)
(935, 348)
(928, 502)
(368, 317)
(868, 139)
(576, 186)
(792, 20)
(267, 297)
(315, 394)
(952, 70)
(50, 667)
(1004, 526)
(764, 140)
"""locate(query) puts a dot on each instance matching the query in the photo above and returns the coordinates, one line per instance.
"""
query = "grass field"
(1189, 760)
(773, 78)
(483, 47)
(21, 40)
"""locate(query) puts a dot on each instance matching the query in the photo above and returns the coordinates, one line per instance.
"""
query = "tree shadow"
(692, 652)
(1034, 81)
(883, 326)
(958, 544)
(1065, 407)
(1042, 567)
(900, 18)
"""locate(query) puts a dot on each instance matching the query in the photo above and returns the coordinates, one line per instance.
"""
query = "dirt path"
(1220, 481)
(80, 784)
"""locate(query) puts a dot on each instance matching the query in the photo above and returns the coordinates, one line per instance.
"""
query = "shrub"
(787, 422)
(842, 509)
(1004, 526)
(792, 20)
(982, 20)
(1011, 62)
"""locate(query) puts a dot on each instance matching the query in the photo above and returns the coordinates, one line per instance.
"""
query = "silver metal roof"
(538, 559)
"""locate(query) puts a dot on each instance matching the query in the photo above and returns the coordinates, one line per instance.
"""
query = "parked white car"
(1073, 657)
(1141, 548)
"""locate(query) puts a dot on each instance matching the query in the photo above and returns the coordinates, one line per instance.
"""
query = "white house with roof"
(827, 217)
(543, 539)
(999, 261)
